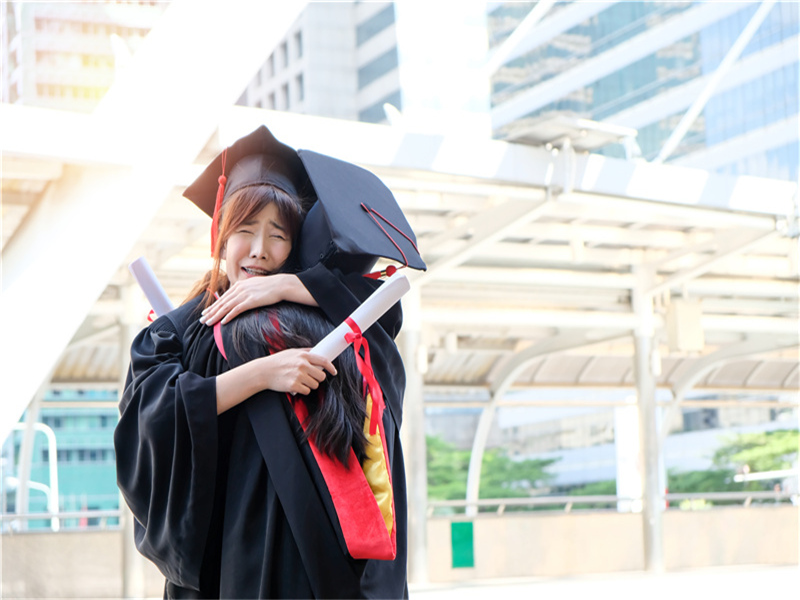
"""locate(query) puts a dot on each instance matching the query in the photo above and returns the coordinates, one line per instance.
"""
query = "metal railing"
(611, 503)
(12, 523)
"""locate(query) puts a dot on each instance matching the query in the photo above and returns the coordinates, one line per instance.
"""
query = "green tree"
(606, 487)
(501, 476)
(695, 482)
(764, 451)
(447, 470)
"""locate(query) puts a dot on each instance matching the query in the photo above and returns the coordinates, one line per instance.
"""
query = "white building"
(336, 60)
(645, 65)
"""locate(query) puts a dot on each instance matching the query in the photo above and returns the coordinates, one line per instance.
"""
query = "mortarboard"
(354, 218)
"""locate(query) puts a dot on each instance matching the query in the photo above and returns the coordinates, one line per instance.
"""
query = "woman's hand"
(254, 292)
(295, 370)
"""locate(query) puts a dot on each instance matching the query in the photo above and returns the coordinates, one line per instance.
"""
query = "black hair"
(337, 409)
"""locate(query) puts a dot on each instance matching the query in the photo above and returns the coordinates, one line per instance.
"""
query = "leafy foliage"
(766, 451)
(596, 488)
(695, 482)
(501, 476)
(607, 487)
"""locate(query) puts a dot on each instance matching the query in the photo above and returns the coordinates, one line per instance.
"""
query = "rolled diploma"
(144, 276)
(381, 300)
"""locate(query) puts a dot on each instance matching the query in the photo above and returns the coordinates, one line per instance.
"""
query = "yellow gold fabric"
(375, 470)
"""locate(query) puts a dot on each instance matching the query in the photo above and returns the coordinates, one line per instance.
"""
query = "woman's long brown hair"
(241, 206)
(337, 409)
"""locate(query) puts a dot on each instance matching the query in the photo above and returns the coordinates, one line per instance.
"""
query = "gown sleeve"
(166, 448)
(339, 294)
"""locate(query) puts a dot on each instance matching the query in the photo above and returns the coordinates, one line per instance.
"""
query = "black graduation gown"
(235, 506)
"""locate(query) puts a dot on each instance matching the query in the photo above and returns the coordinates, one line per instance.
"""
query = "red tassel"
(218, 204)
(387, 272)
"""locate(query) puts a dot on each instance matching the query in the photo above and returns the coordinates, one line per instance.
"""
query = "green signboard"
(462, 542)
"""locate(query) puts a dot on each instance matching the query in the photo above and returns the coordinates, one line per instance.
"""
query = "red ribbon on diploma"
(365, 367)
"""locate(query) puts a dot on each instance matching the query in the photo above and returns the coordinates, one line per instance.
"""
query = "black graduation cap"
(354, 218)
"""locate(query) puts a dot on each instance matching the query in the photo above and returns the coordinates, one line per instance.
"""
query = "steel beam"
(514, 45)
(519, 320)
(490, 168)
(488, 229)
(750, 346)
(413, 438)
(534, 33)
(728, 250)
(158, 115)
(643, 334)
(721, 71)
(498, 388)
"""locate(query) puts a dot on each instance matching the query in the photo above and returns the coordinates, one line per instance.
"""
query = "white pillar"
(476, 456)
(133, 585)
(24, 464)
(413, 438)
(21, 500)
(648, 427)
(627, 446)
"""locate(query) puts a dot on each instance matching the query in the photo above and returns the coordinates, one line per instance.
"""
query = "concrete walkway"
(724, 583)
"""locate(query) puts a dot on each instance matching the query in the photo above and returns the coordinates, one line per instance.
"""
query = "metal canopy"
(533, 245)
(546, 268)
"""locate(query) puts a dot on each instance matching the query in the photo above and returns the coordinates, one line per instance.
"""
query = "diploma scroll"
(144, 276)
(372, 309)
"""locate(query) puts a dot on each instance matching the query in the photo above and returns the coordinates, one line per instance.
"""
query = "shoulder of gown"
(166, 442)
(338, 295)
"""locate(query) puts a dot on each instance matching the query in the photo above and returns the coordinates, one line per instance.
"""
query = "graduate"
(244, 480)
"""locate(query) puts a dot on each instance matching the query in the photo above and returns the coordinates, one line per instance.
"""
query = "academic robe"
(235, 506)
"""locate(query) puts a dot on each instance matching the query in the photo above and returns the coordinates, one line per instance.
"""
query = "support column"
(476, 456)
(25, 458)
(133, 585)
(648, 427)
(21, 499)
(413, 438)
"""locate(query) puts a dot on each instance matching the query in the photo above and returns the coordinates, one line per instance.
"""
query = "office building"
(337, 60)
(63, 54)
(643, 65)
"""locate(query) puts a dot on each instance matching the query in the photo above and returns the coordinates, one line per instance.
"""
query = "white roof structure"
(524, 246)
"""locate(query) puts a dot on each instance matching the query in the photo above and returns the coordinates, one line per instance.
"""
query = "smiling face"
(257, 247)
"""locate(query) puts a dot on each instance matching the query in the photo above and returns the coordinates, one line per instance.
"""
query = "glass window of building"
(271, 65)
(285, 95)
(375, 24)
(271, 101)
(284, 55)
(300, 87)
(377, 68)
(298, 44)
